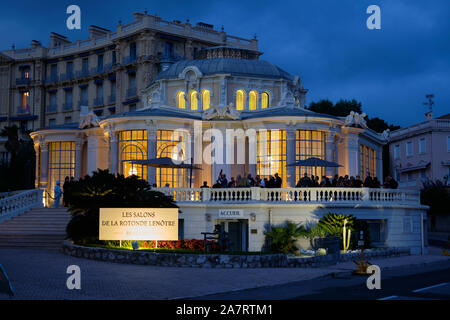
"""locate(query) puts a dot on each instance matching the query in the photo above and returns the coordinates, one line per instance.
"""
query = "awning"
(414, 168)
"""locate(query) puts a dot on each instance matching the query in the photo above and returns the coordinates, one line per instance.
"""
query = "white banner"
(138, 224)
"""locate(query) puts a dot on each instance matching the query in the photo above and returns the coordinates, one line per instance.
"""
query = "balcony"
(23, 110)
(98, 102)
(23, 81)
(51, 79)
(97, 70)
(131, 92)
(108, 67)
(82, 103)
(128, 60)
(112, 99)
(67, 77)
(308, 196)
(82, 73)
(68, 107)
(51, 108)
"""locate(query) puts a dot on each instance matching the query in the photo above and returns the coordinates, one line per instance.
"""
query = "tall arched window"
(194, 100)
(253, 100)
(181, 102)
(265, 98)
(206, 99)
(240, 100)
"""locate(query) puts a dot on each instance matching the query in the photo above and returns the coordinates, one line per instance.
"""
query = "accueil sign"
(138, 224)
(231, 213)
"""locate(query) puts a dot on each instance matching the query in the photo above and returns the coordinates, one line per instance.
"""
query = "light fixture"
(208, 217)
(253, 216)
(132, 171)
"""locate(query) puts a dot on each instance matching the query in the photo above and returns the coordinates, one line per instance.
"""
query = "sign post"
(362, 265)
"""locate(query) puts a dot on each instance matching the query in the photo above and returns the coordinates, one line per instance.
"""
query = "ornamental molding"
(88, 119)
(356, 119)
(221, 112)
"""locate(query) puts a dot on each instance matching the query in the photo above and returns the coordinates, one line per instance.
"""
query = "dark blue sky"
(325, 42)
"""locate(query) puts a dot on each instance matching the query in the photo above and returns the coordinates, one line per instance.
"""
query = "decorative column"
(330, 149)
(151, 152)
(290, 156)
(78, 157)
(113, 153)
(44, 164)
(36, 175)
(352, 150)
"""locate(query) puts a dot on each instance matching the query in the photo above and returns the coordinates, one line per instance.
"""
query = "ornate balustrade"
(19, 203)
(294, 195)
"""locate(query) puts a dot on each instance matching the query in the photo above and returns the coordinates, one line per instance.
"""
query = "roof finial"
(254, 37)
(145, 11)
(222, 28)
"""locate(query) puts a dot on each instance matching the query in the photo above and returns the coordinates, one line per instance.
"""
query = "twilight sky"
(325, 42)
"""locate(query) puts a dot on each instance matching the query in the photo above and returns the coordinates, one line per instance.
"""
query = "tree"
(19, 172)
(106, 190)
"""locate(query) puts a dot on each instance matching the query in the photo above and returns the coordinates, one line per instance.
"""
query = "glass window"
(67, 119)
(133, 146)
(84, 96)
(309, 144)
(194, 100)
(100, 62)
(265, 97)
(53, 71)
(85, 66)
(114, 58)
(181, 102)
(409, 151)
(240, 100)
(69, 68)
(422, 145)
(166, 142)
(206, 99)
(61, 163)
(397, 151)
(448, 143)
(368, 161)
(271, 154)
(68, 97)
(253, 100)
(25, 100)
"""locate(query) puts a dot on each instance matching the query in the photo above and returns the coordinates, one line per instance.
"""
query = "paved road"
(41, 274)
(430, 282)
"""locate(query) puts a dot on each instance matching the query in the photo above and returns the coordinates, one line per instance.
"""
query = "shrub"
(333, 223)
(282, 238)
(436, 195)
(105, 190)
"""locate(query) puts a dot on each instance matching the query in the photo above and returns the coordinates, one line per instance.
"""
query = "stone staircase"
(38, 228)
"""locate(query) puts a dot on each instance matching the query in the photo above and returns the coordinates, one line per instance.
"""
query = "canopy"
(314, 162)
(166, 162)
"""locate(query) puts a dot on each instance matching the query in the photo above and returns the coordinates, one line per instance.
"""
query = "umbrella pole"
(190, 177)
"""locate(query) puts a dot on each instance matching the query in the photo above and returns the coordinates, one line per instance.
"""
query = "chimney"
(57, 40)
(96, 32)
(35, 44)
(429, 116)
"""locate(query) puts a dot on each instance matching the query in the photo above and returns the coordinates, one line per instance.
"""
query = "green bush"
(282, 238)
(437, 196)
(105, 190)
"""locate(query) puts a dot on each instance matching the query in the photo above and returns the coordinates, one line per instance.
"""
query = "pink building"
(421, 152)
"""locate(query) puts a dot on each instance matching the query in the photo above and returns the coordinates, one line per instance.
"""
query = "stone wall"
(220, 260)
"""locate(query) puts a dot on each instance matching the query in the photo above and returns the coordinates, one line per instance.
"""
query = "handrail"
(294, 195)
(17, 204)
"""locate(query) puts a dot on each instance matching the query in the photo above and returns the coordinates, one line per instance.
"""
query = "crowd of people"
(305, 182)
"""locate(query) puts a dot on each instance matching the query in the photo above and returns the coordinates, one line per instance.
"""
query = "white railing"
(19, 203)
(294, 195)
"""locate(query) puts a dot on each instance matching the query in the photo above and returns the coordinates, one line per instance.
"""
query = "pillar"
(290, 156)
(44, 165)
(330, 149)
(78, 158)
(36, 175)
(114, 153)
(352, 149)
(151, 153)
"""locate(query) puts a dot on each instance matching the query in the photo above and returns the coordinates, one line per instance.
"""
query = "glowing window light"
(206, 99)
(133, 171)
(240, 98)
(253, 100)
(181, 102)
(265, 100)
(194, 100)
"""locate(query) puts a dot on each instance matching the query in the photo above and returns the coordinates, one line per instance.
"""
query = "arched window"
(181, 102)
(240, 100)
(253, 100)
(206, 99)
(265, 98)
(194, 100)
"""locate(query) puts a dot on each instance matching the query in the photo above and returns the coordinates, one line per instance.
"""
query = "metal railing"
(67, 106)
(294, 195)
(23, 110)
(51, 108)
(23, 81)
(129, 59)
(19, 203)
(82, 73)
(131, 92)
(98, 101)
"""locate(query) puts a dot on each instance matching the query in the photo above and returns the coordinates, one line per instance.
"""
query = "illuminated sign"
(231, 213)
(138, 224)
